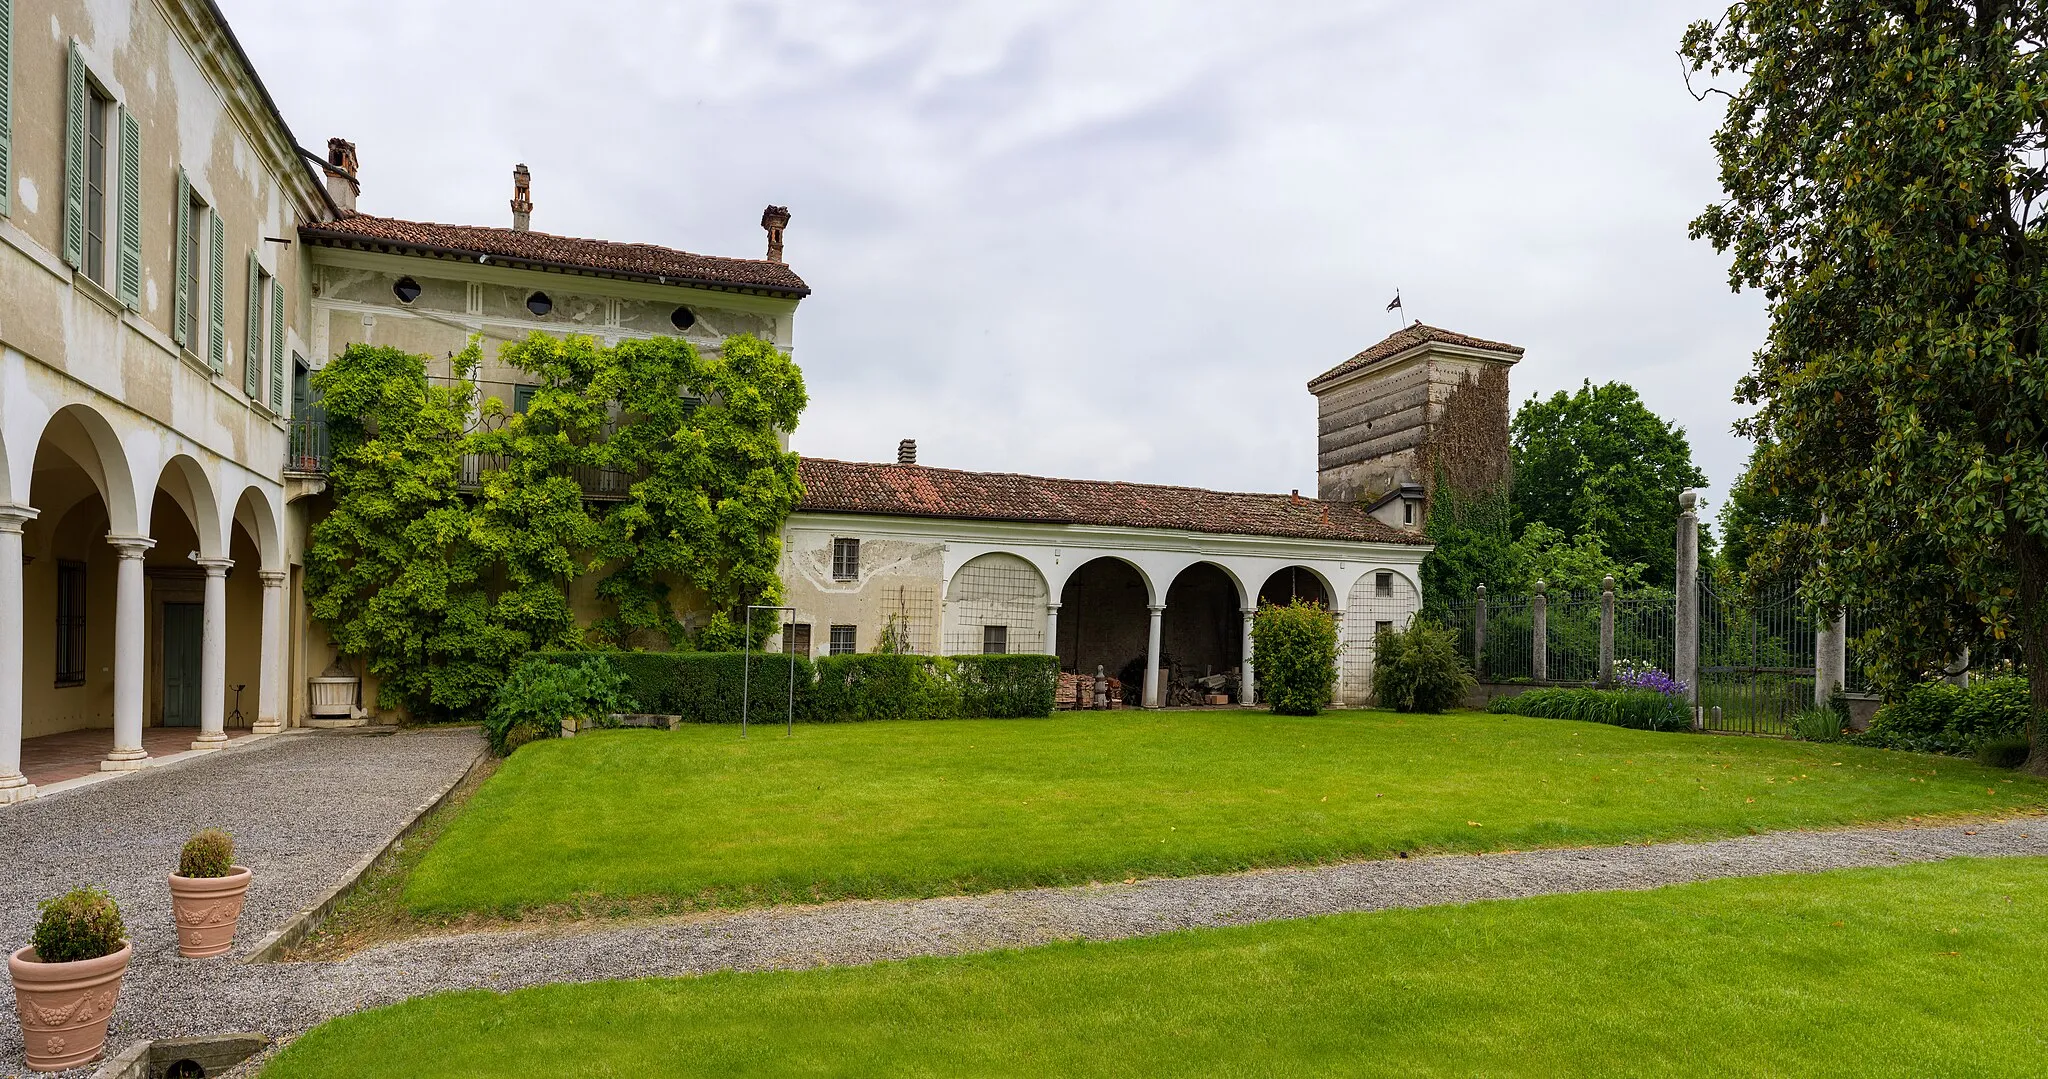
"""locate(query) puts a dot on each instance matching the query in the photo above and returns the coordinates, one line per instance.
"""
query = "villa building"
(174, 265)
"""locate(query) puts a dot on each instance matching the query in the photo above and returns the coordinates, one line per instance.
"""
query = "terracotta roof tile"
(923, 491)
(641, 261)
(1402, 340)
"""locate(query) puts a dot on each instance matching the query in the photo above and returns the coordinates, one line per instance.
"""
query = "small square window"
(1383, 585)
(845, 559)
(842, 641)
(796, 639)
(995, 640)
(522, 398)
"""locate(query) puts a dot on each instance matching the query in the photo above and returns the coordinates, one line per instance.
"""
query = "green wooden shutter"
(276, 345)
(181, 260)
(6, 100)
(217, 296)
(75, 103)
(128, 279)
(252, 348)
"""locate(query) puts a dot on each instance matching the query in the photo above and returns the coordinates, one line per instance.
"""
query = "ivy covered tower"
(1423, 407)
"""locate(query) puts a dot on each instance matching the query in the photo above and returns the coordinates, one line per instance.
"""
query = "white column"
(1052, 629)
(129, 638)
(1248, 690)
(14, 787)
(1152, 657)
(270, 676)
(213, 656)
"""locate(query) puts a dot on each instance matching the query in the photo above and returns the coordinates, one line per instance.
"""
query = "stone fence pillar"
(1830, 658)
(1479, 633)
(1539, 633)
(1685, 651)
(1607, 631)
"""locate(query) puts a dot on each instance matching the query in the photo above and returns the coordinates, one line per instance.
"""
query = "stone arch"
(1288, 583)
(186, 483)
(253, 511)
(1382, 597)
(1202, 630)
(1104, 619)
(81, 433)
(997, 589)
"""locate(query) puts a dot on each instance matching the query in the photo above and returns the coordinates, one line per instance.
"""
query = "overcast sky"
(1096, 239)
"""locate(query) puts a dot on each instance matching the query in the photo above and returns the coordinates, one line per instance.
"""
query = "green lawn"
(1929, 970)
(701, 818)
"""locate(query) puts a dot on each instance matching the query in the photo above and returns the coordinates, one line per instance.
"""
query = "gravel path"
(304, 807)
(309, 805)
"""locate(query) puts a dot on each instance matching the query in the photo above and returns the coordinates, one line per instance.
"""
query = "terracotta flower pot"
(64, 1007)
(206, 909)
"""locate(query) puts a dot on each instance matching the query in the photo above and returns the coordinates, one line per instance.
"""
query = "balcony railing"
(309, 454)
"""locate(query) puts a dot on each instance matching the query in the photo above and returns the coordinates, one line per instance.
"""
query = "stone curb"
(214, 1052)
(280, 940)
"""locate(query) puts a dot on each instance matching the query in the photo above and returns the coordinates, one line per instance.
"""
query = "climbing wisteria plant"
(438, 586)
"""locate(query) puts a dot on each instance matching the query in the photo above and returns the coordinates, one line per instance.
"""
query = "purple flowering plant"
(1632, 675)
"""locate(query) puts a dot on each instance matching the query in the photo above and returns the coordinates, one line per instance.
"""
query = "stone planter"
(332, 697)
(206, 909)
(64, 1007)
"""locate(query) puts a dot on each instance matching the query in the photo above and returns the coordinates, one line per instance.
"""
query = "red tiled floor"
(57, 757)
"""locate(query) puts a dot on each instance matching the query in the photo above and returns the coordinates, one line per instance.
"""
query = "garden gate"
(1756, 659)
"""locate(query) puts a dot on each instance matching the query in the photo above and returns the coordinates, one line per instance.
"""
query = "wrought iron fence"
(1756, 667)
(1646, 628)
(308, 450)
(1572, 651)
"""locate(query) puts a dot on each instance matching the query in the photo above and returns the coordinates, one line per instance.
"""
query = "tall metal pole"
(746, 672)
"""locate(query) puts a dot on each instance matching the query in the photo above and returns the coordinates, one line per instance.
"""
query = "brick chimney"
(522, 198)
(775, 219)
(342, 185)
(906, 452)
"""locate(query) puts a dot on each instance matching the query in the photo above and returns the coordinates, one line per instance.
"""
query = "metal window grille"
(842, 641)
(996, 591)
(1383, 585)
(995, 640)
(845, 559)
(70, 623)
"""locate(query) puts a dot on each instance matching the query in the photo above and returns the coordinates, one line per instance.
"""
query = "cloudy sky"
(1097, 238)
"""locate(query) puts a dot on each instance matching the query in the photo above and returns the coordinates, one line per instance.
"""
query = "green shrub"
(209, 853)
(1294, 652)
(1006, 687)
(1936, 717)
(1419, 670)
(83, 923)
(1638, 709)
(1818, 725)
(885, 685)
(542, 692)
(2004, 751)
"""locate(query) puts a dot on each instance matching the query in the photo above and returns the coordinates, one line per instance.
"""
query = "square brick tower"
(1423, 407)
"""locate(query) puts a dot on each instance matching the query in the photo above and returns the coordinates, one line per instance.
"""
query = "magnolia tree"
(1885, 171)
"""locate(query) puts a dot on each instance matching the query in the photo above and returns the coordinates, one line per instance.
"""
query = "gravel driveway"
(304, 807)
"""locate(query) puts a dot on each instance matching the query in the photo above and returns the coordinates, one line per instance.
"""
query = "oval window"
(683, 318)
(407, 290)
(539, 304)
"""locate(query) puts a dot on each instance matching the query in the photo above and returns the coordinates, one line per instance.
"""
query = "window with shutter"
(522, 396)
(181, 293)
(128, 271)
(276, 345)
(76, 106)
(216, 296)
(252, 346)
(6, 102)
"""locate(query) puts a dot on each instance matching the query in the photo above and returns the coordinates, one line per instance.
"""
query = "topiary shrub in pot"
(207, 893)
(67, 979)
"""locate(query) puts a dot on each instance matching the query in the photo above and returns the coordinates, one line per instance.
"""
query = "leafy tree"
(1884, 176)
(1571, 564)
(1600, 462)
(1475, 545)
(1755, 509)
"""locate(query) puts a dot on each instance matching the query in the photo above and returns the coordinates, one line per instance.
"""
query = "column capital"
(131, 546)
(1248, 612)
(1156, 608)
(12, 517)
(1052, 606)
(214, 567)
(273, 578)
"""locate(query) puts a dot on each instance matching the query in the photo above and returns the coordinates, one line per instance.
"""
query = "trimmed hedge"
(1006, 687)
(885, 685)
(1638, 709)
(706, 687)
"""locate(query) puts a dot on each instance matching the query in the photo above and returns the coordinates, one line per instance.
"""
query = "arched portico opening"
(996, 603)
(1294, 583)
(1202, 635)
(1104, 620)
